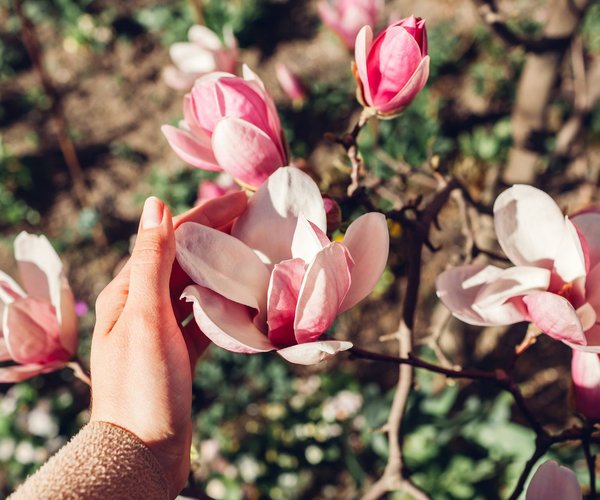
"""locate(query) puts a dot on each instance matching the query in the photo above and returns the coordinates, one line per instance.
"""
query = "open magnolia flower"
(230, 124)
(277, 282)
(555, 283)
(392, 69)
(347, 17)
(203, 54)
(39, 324)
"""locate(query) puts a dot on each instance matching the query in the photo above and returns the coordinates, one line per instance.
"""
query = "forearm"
(102, 461)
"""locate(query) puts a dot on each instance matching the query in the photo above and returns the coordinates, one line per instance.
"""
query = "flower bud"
(585, 370)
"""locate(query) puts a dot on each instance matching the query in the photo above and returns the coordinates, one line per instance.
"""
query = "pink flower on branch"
(585, 370)
(347, 17)
(222, 185)
(203, 54)
(393, 69)
(555, 283)
(39, 325)
(230, 124)
(553, 481)
(290, 84)
(277, 282)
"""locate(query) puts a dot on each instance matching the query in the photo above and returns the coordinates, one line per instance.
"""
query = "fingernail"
(153, 213)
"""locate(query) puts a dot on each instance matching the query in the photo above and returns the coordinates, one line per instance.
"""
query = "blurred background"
(81, 148)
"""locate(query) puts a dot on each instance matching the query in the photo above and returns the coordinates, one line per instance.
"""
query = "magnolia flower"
(222, 185)
(277, 282)
(39, 324)
(585, 370)
(231, 124)
(555, 283)
(553, 481)
(347, 17)
(290, 84)
(393, 69)
(203, 54)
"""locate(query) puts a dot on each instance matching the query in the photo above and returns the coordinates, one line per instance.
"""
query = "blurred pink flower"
(585, 370)
(553, 481)
(39, 325)
(393, 69)
(81, 308)
(555, 283)
(290, 84)
(231, 124)
(347, 17)
(222, 185)
(277, 282)
(203, 54)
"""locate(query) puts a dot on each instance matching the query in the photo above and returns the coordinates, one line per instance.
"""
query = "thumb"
(152, 259)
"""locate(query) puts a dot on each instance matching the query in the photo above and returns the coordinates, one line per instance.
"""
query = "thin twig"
(80, 372)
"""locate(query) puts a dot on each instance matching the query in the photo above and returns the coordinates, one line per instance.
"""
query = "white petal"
(313, 352)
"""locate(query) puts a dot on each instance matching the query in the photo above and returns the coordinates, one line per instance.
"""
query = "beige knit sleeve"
(103, 462)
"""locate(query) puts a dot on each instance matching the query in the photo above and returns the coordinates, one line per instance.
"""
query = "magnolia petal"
(31, 332)
(177, 79)
(512, 282)
(227, 323)
(313, 352)
(189, 149)
(222, 263)
(190, 58)
(362, 46)
(529, 226)
(253, 158)
(555, 316)
(585, 370)
(325, 285)
(269, 223)
(393, 59)
(308, 240)
(553, 481)
(286, 280)
(405, 95)
(587, 316)
(592, 288)
(4, 352)
(570, 261)
(204, 37)
(69, 336)
(588, 222)
(14, 374)
(368, 241)
(459, 287)
(10, 290)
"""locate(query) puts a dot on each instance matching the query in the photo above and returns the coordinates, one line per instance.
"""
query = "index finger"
(215, 212)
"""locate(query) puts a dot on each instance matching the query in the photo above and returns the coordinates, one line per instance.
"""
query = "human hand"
(142, 363)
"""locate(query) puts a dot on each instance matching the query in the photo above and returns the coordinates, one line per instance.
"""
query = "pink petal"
(367, 239)
(4, 353)
(9, 289)
(588, 222)
(510, 283)
(405, 95)
(362, 46)
(269, 223)
(13, 374)
(228, 324)
(31, 332)
(204, 37)
(529, 226)
(585, 369)
(314, 352)
(284, 288)
(253, 159)
(189, 149)
(592, 288)
(218, 261)
(570, 262)
(555, 316)
(308, 240)
(323, 290)
(177, 79)
(592, 337)
(459, 287)
(190, 58)
(553, 481)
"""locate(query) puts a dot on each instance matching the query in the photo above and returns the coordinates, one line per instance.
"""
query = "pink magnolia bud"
(553, 481)
(222, 185)
(393, 69)
(230, 124)
(290, 84)
(585, 370)
(203, 54)
(39, 324)
(347, 17)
